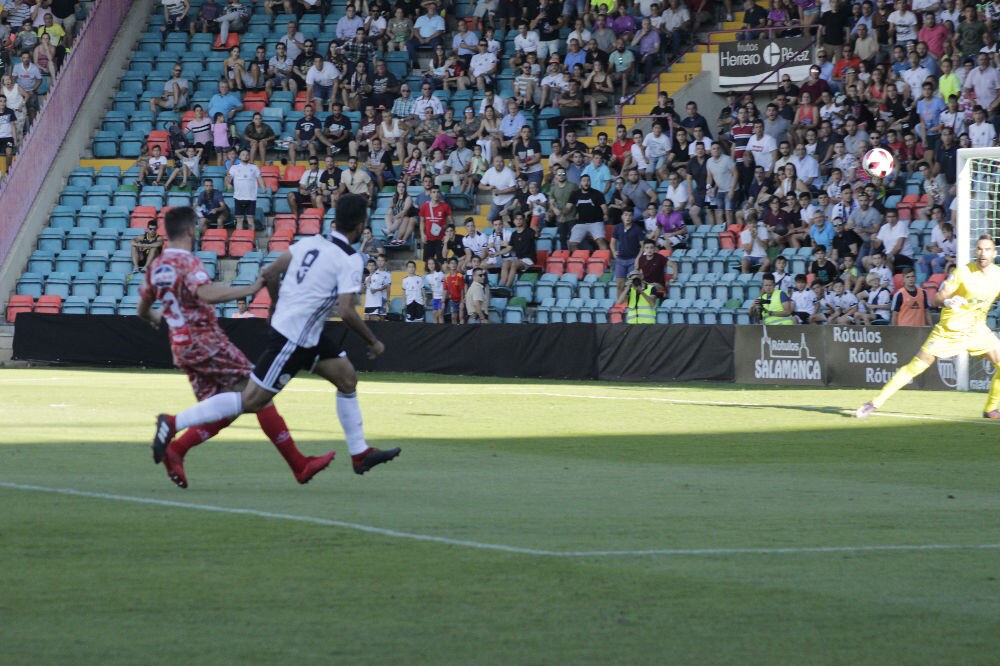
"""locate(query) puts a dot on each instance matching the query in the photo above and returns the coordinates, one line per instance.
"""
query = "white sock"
(216, 408)
(349, 413)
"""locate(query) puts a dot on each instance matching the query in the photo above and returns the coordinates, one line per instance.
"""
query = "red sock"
(274, 427)
(360, 456)
(192, 437)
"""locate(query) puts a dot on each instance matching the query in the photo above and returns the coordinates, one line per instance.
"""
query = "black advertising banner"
(746, 63)
(786, 355)
(868, 357)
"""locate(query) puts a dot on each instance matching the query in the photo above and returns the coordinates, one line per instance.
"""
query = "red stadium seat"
(292, 175)
(231, 41)
(616, 314)
(255, 101)
(897, 282)
(284, 224)
(310, 225)
(214, 240)
(666, 252)
(279, 243)
(541, 256)
(141, 216)
(17, 305)
(186, 118)
(936, 278)
(300, 101)
(241, 242)
(260, 303)
(271, 176)
(158, 138)
(49, 304)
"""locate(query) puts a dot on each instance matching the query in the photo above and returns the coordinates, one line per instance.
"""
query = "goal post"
(977, 213)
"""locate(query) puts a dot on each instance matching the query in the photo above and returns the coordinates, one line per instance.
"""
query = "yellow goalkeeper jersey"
(980, 287)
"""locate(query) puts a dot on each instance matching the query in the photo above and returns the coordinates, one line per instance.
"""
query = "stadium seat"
(214, 241)
(121, 262)
(127, 305)
(78, 305)
(49, 304)
(41, 261)
(292, 175)
(544, 313)
(84, 285)
(30, 284)
(113, 285)
(105, 305)
(17, 304)
(241, 242)
(545, 287)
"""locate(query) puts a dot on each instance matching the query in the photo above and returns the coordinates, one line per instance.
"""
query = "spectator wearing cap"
(553, 84)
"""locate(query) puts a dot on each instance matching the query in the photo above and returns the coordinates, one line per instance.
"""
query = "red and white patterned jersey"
(174, 278)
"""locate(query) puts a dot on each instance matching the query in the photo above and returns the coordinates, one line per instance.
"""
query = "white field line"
(674, 401)
(478, 545)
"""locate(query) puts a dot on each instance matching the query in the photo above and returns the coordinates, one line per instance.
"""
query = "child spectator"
(841, 305)
(413, 293)
(454, 290)
(819, 291)
(804, 303)
(851, 276)
(824, 271)
(783, 280)
(377, 285)
(538, 204)
(877, 302)
(434, 279)
(220, 138)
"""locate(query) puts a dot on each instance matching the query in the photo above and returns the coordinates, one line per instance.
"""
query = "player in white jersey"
(319, 273)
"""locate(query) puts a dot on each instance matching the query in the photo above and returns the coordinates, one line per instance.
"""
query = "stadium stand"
(170, 92)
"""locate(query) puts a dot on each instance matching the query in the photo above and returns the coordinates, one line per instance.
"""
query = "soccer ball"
(878, 162)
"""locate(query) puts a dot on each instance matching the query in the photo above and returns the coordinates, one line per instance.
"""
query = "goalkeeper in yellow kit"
(967, 295)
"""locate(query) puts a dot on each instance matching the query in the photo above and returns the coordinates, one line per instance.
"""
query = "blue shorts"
(623, 267)
(453, 307)
(436, 304)
(722, 201)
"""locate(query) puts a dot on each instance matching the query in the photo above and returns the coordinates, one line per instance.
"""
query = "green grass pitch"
(525, 522)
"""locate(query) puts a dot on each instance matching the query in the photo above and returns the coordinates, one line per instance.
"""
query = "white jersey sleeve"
(319, 272)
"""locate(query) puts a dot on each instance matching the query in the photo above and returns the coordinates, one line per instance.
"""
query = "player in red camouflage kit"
(200, 348)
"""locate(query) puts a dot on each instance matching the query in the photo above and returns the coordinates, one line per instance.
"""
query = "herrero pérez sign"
(747, 63)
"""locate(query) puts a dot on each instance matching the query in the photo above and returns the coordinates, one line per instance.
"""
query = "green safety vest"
(639, 311)
(772, 305)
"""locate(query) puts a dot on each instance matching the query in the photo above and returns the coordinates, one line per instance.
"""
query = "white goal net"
(978, 213)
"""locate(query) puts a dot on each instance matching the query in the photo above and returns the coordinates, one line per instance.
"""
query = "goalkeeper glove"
(955, 302)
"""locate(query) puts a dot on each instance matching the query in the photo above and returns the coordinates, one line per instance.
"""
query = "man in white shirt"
(902, 24)
(498, 103)
(984, 81)
(293, 40)
(526, 41)
(308, 194)
(554, 83)
(502, 182)
(427, 100)
(475, 242)
(322, 82)
(763, 146)
(806, 166)
(981, 133)
(722, 183)
(427, 31)
(244, 180)
(580, 33)
(482, 67)
(893, 239)
(657, 146)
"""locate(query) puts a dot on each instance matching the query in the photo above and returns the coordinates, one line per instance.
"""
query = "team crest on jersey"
(163, 276)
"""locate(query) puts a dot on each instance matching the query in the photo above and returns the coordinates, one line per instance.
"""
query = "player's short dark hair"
(177, 220)
(352, 212)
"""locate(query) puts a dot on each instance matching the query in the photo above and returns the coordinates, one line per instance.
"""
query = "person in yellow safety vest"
(638, 297)
(773, 305)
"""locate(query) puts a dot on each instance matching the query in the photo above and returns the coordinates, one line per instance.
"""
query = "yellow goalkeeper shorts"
(977, 341)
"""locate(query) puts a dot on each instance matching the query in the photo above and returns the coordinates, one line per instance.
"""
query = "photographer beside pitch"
(773, 306)
(967, 296)
(640, 300)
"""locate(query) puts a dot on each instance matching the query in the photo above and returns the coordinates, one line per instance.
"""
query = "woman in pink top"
(806, 116)
(220, 137)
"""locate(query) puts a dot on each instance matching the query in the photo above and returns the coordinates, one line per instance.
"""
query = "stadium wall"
(62, 130)
(844, 356)
(549, 351)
